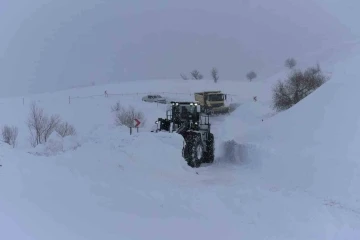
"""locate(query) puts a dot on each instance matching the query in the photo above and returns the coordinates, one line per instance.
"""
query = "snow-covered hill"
(49, 45)
(295, 177)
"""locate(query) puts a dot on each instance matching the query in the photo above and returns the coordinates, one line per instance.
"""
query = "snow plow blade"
(219, 111)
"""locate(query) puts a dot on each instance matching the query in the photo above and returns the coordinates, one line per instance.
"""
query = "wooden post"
(130, 130)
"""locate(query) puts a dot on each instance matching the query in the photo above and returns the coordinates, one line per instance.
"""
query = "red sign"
(136, 122)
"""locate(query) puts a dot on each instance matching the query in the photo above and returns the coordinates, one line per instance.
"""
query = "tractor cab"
(185, 112)
(180, 114)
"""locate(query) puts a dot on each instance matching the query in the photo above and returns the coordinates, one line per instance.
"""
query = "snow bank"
(315, 145)
(56, 145)
(111, 178)
(137, 190)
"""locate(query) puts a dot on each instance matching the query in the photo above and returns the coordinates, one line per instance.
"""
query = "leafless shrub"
(125, 117)
(65, 129)
(40, 125)
(251, 75)
(184, 77)
(298, 85)
(290, 63)
(36, 123)
(196, 75)
(33, 139)
(215, 74)
(51, 125)
(9, 135)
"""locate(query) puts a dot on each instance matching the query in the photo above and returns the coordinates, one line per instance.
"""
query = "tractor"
(186, 119)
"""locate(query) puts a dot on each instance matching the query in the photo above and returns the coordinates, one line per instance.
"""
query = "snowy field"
(296, 174)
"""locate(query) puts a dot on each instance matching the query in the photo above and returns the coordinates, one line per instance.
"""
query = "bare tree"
(297, 87)
(9, 135)
(50, 126)
(183, 76)
(40, 125)
(65, 129)
(125, 117)
(195, 74)
(251, 75)
(290, 63)
(215, 74)
(36, 123)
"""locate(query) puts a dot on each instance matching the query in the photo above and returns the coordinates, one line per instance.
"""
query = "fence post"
(137, 129)
(130, 130)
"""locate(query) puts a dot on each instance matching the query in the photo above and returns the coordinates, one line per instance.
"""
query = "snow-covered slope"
(295, 179)
(313, 147)
(316, 141)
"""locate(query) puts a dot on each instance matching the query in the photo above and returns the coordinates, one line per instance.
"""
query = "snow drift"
(314, 146)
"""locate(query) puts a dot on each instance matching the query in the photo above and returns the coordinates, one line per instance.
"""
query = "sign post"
(136, 125)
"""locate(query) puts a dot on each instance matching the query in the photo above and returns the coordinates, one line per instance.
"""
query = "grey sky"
(55, 44)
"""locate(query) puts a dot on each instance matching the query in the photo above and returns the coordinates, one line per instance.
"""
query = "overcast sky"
(47, 45)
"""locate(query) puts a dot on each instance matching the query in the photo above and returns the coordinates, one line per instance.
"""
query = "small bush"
(196, 75)
(298, 85)
(251, 75)
(9, 135)
(184, 77)
(126, 116)
(65, 129)
(50, 126)
(40, 125)
(215, 74)
(290, 63)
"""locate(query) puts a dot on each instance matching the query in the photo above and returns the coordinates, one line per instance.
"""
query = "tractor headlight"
(191, 104)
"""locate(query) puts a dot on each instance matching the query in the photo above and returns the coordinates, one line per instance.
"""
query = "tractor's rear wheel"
(194, 151)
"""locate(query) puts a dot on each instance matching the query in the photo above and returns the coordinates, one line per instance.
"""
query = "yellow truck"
(212, 102)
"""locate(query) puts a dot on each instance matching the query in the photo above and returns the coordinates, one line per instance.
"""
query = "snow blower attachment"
(185, 118)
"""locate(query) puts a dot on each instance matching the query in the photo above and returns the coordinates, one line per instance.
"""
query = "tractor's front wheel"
(194, 151)
(209, 154)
